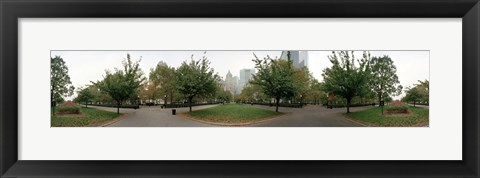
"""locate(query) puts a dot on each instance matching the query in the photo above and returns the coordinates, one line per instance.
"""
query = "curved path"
(309, 116)
(155, 116)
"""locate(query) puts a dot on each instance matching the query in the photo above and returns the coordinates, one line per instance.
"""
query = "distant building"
(237, 88)
(299, 58)
(245, 77)
(231, 83)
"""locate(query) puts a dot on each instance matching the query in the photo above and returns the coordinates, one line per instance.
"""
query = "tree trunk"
(348, 105)
(277, 101)
(171, 97)
(190, 103)
(414, 103)
(86, 103)
(379, 99)
(118, 107)
(52, 102)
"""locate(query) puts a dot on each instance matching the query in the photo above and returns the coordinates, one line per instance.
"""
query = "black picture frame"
(468, 10)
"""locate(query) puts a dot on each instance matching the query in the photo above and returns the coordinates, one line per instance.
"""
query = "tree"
(345, 78)
(384, 81)
(315, 92)
(195, 79)
(122, 84)
(387, 99)
(303, 80)
(163, 77)
(413, 95)
(423, 88)
(248, 93)
(275, 77)
(85, 95)
(99, 96)
(148, 91)
(224, 96)
(419, 92)
(60, 84)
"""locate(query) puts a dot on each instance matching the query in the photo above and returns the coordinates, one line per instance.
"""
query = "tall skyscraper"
(245, 77)
(299, 58)
(237, 88)
(231, 83)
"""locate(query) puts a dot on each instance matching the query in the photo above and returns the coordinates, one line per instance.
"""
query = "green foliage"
(68, 109)
(345, 78)
(60, 84)
(163, 80)
(233, 113)
(122, 84)
(315, 92)
(84, 95)
(276, 78)
(59, 100)
(423, 88)
(396, 108)
(196, 79)
(251, 93)
(417, 93)
(148, 91)
(373, 117)
(303, 81)
(225, 96)
(90, 117)
(387, 99)
(384, 81)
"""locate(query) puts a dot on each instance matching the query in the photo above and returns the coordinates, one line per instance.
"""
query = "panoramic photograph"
(242, 88)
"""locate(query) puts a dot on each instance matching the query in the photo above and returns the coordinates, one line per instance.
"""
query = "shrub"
(68, 109)
(345, 105)
(131, 106)
(150, 104)
(396, 108)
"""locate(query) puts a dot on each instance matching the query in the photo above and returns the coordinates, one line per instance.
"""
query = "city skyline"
(411, 65)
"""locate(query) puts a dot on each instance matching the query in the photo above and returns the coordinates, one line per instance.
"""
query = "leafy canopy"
(348, 77)
(276, 78)
(122, 84)
(196, 78)
(384, 81)
(60, 84)
(163, 78)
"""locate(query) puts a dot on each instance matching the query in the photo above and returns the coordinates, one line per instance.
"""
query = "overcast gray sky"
(86, 66)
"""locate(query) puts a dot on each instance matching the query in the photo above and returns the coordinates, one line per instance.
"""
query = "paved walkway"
(155, 116)
(420, 106)
(309, 116)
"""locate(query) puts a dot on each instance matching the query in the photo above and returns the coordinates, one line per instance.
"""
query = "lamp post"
(301, 101)
(165, 101)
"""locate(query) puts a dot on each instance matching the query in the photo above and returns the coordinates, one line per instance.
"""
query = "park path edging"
(122, 117)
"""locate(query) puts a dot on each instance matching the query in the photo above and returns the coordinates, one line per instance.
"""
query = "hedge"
(184, 105)
(67, 109)
(131, 106)
(351, 105)
(396, 108)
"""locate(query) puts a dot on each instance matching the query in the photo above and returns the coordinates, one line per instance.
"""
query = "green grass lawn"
(417, 117)
(89, 117)
(233, 114)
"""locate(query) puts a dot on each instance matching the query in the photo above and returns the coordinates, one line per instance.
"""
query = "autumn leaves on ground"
(277, 83)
